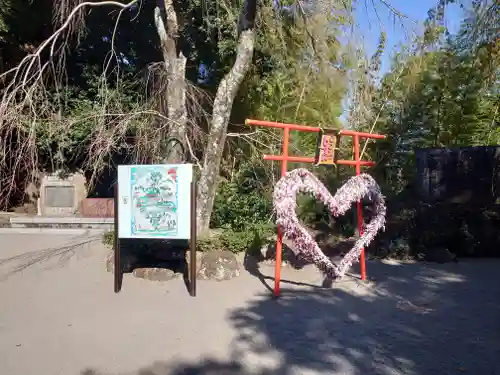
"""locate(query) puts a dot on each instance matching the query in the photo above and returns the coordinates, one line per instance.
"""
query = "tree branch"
(168, 33)
(392, 9)
(53, 38)
(26, 107)
(172, 24)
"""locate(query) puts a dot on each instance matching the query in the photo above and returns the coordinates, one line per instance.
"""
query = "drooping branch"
(52, 40)
(157, 88)
(27, 107)
(393, 10)
(30, 71)
(61, 13)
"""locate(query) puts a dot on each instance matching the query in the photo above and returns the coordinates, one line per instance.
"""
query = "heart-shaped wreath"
(356, 188)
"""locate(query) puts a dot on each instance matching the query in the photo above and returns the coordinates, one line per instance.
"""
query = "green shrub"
(108, 238)
(309, 210)
(250, 240)
(242, 201)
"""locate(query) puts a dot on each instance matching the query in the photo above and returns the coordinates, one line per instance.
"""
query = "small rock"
(218, 265)
(438, 255)
(127, 260)
(155, 274)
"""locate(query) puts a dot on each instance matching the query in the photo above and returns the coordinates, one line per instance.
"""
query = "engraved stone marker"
(61, 196)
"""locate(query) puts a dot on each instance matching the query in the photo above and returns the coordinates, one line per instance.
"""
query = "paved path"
(59, 315)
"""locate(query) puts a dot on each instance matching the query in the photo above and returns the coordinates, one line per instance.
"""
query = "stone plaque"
(60, 196)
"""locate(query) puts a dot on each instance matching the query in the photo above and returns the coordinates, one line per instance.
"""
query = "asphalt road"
(59, 315)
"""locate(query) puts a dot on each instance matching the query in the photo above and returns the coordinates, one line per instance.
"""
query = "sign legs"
(192, 243)
(118, 274)
(148, 191)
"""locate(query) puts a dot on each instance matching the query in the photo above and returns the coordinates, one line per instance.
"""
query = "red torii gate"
(285, 158)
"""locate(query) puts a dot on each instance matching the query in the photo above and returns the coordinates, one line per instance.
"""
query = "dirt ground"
(59, 315)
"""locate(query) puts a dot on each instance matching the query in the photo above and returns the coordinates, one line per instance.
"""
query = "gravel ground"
(59, 315)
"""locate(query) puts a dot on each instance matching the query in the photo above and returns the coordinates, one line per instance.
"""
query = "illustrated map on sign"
(154, 192)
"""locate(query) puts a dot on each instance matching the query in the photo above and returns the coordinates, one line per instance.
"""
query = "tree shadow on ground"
(416, 319)
(252, 266)
(334, 251)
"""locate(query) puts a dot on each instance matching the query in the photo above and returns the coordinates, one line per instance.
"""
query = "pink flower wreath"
(357, 187)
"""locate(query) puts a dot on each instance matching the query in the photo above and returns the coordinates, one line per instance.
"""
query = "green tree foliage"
(307, 81)
(5, 8)
(243, 199)
(442, 90)
(442, 93)
(298, 77)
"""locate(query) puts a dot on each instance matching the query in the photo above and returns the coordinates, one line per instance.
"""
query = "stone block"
(97, 207)
(219, 266)
(156, 274)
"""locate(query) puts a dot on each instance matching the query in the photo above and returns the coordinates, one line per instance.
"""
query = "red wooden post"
(285, 158)
(279, 242)
(359, 208)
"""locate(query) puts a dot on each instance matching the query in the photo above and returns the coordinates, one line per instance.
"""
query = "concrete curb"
(54, 231)
(62, 220)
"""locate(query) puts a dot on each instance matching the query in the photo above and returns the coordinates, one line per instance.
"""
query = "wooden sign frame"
(327, 144)
(191, 272)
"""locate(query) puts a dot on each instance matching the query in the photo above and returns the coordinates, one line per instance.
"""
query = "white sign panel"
(154, 201)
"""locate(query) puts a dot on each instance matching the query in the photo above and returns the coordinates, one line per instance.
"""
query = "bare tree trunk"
(224, 98)
(176, 107)
(175, 66)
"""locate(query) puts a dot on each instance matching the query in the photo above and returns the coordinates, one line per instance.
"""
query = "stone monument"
(61, 196)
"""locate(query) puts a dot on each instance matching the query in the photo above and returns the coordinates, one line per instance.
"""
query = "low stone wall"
(97, 207)
(105, 224)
